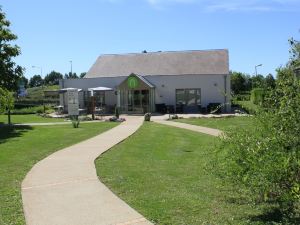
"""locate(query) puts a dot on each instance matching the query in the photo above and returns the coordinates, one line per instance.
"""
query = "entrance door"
(138, 101)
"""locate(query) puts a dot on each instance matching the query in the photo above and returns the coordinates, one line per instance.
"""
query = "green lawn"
(30, 118)
(21, 148)
(224, 123)
(165, 173)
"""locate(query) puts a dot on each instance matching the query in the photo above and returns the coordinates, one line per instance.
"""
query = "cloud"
(233, 5)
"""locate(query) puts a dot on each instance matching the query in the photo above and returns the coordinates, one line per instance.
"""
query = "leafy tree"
(295, 53)
(53, 78)
(10, 73)
(237, 82)
(36, 81)
(258, 81)
(270, 81)
(6, 102)
(248, 82)
(82, 75)
(71, 75)
(265, 158)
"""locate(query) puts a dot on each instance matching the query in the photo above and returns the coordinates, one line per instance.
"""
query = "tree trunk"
(8, 115)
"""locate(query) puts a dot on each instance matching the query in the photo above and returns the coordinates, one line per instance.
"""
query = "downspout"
(225, 92)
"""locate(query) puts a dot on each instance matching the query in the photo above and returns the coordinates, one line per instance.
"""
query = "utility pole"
(256, 69)
(71, 67)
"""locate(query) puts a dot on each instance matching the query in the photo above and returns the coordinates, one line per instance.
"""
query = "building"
(183, 81)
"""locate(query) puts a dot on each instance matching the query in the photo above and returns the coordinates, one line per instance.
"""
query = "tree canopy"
(6, 100)
(71, 75)
(36, 81)
(10, 73)
(53, 78)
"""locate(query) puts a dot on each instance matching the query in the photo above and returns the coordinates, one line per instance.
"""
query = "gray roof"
(161, 63)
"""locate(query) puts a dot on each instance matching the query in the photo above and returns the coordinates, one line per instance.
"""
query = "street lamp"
(256, 68)
(41, 68)
(71, 67)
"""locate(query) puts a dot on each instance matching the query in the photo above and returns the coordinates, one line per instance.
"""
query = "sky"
(53, 33)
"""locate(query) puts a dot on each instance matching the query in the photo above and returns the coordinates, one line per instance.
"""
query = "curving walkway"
(205, 130)
(63, 189)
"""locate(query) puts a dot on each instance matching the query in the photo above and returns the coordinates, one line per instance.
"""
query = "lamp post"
(41, 68)
(71, 67)
(256, 68)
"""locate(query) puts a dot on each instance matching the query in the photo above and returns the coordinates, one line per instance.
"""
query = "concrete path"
(205, 130)
(63, 189)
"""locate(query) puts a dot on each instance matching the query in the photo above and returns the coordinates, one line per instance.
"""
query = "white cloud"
(224, 5)
(233, 5)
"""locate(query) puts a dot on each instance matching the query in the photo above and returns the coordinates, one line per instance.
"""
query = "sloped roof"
(161, 63)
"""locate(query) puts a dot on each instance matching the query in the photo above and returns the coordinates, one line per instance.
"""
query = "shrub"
(257, 96)
(174, 117)
(32, 110)
(265, 159)
(75, 123)
(147, 116)
(242, 97)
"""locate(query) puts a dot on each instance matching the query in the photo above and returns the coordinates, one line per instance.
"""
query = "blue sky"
(51, 33)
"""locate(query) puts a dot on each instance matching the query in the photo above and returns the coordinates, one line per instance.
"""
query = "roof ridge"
(157, 52)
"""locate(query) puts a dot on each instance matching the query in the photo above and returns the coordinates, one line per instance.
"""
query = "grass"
(166, 174)
(223, 123)
(37, 92)
(29, 118)
(21, 148)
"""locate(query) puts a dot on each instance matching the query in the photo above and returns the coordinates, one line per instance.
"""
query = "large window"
(188, 97)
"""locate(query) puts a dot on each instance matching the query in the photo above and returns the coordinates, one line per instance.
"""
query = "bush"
(147, 116)
(247, 106)
(174, 117)
(32, 110)
(75, 123)
(257, 96)
(242, 97)
(265, 159)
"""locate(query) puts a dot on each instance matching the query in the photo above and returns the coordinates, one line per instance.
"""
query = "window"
(180, 98)
(188, 97)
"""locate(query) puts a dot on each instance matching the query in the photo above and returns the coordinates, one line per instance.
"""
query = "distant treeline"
(51, 78)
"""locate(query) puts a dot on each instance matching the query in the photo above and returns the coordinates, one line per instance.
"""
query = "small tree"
(36, 81)
(238, 82)
(6, 102)
(70, 75)
(10, 73)
(82, 75)
(53, 78)
(270, 81)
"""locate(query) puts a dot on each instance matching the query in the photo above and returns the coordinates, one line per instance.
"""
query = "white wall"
(212, 87)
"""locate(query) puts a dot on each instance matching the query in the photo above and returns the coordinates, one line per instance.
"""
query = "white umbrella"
(66, 89)
(100, 89)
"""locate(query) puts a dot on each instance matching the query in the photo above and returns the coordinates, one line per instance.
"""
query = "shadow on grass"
(7, 132)
(269, 214)
(274, 216)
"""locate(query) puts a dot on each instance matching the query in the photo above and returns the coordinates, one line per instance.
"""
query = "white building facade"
(180, 82)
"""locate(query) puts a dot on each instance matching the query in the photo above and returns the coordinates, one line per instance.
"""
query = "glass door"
(145, 100)
(130, 101)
